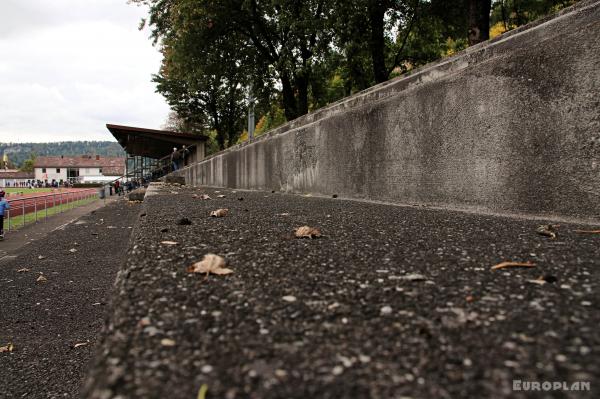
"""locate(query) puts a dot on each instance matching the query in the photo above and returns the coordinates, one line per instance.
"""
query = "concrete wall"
(511, 125)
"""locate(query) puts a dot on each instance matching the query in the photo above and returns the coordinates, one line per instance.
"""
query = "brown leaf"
(205, 197)
(219, 213)
(512, 264)
(42, 279)
(307, 232)
(23, 270)
(77, 345)
(8, 348)
(169, 243)
(587, 231)
(548, 230)
(211, 263)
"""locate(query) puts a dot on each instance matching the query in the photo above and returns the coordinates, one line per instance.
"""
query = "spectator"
(4, 205)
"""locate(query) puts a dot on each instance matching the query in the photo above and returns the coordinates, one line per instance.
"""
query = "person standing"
(4, 205)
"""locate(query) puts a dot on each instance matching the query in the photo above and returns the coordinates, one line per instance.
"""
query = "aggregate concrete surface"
(391, 302)
(53, 325)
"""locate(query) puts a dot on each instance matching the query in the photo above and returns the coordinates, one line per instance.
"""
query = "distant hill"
(19, 152)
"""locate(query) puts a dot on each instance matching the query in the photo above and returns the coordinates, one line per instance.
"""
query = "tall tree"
(479, 20)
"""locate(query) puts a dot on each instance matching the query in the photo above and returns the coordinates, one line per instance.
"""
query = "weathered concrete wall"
(511, 125)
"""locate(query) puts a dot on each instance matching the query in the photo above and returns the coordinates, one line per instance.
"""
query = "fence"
(33, 208)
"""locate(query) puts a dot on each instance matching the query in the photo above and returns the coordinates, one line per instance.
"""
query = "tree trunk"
(302, 85)
(289, 101)
(377, 42)
(479, 20)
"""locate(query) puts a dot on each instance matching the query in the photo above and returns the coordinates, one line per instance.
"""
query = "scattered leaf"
(72, 250)
(221, 196)
(23, 270)
(205, 197)
(41, 257)
(174, 192)
(587, 231)
(77, 345)
(8, 348)
(42, 279)
(211, 263)
(548, 230)
(503, 265)
(307, 232)
(538, 281)
(167, 342)
(202, 392)
(169, 242)
(219, 213)
(283, 214)
(289, 298)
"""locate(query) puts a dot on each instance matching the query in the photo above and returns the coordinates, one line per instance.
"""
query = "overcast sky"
(68, 67)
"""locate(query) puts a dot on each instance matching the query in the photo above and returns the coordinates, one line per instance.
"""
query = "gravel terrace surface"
(391, 302)
(47, 322)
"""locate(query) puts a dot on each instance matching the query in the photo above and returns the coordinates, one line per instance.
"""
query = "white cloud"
(68, 67)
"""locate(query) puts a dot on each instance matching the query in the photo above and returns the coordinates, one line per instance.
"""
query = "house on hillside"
(79, 169)
(15, 178)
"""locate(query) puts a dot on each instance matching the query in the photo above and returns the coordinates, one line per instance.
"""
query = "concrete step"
(391, 301)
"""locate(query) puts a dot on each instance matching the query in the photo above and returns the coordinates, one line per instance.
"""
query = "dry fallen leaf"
(7, 348)
(220, 196)
(77, 345)
(72, 250)
(205, 197)
(512, 264)
(587, 231)
(538, 281)
(42, 279)
(219, 213)
(169, 242)
(548, 230)
(308, 232)
(41, 257)
(167, 342)
(211, 263)
(23, 270)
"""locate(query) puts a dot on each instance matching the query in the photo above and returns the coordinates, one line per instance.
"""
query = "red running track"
(29, 203)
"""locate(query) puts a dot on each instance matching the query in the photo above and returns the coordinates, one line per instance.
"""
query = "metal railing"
(57, 202)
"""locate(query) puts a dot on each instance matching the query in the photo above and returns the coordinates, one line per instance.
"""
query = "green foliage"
(272, 119)
(27, 165)
(299, 56)
(514, 13)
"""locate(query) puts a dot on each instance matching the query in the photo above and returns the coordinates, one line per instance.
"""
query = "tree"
(27, 165)
(479, 20)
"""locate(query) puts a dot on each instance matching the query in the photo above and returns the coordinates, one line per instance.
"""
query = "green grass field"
(19, 221)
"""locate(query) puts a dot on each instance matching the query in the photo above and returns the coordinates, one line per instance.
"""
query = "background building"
(15, 178)
(79, 169)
